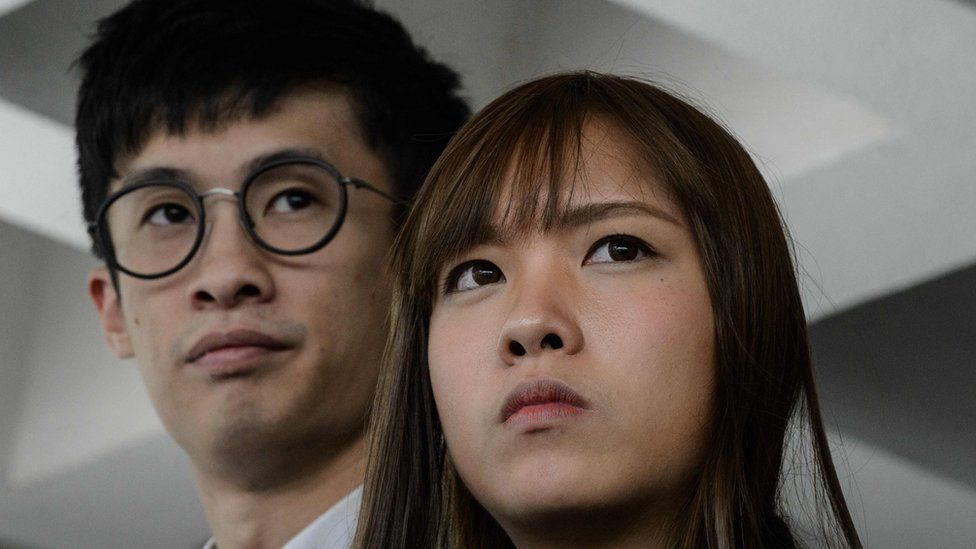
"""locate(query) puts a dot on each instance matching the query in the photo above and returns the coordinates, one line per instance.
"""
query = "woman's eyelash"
(450, 281)
(640, 245)
(475, 273)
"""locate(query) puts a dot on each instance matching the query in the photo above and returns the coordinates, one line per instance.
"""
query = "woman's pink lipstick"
(536, 403)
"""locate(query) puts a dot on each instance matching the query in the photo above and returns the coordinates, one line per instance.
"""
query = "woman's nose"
(542, 320)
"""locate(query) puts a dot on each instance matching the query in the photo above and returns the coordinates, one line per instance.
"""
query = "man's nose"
(542, 318)
(231, 269)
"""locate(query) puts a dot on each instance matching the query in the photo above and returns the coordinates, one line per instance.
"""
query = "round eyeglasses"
(291, 206)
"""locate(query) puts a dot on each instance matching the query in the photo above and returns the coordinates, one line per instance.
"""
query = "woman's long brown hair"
(526, 144)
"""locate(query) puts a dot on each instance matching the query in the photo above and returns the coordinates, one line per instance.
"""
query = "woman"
(597, 338)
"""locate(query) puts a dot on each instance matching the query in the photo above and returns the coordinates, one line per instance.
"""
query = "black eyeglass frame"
(100, 233)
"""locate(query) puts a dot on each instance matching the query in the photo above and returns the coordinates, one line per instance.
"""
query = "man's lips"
(234, 344)
(551, 398)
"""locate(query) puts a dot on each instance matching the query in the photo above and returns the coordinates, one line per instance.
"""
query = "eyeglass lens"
(291, 207)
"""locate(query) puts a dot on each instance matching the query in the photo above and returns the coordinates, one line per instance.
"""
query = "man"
(243, 166)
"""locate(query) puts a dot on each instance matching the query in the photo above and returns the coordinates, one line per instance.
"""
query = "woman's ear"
(105, 297)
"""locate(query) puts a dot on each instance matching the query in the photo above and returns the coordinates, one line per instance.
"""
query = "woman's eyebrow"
(589, 213)
(578, 216)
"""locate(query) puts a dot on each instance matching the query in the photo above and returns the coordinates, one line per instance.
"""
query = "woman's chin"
(550, 489)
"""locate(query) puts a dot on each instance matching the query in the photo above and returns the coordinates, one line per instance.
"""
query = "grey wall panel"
(900, 372)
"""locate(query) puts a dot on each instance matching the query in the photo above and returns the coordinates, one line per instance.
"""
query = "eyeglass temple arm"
(360, 184)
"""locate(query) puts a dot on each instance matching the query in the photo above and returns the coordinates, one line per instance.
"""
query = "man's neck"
(246, 518)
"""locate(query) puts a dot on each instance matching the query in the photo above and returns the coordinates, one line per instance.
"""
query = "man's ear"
(106, 300)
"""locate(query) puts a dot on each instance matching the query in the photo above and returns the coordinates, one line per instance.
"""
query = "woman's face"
(573, 369)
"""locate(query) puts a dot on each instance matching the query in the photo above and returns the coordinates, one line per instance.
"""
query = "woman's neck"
(622, 527)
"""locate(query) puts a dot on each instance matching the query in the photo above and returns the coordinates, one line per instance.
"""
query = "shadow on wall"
(899, 373)
(43, 80)
(146, 493)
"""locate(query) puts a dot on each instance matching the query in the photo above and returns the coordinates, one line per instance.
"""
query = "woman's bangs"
(515, 171)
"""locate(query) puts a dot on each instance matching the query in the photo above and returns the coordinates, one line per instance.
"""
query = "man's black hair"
(167, 64)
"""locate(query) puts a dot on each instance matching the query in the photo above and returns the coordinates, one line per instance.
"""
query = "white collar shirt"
(334, 529)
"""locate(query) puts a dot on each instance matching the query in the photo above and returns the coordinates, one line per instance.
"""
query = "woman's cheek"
(451, 371)
(464, 365)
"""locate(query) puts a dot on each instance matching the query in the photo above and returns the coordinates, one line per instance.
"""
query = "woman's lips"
(535, 403)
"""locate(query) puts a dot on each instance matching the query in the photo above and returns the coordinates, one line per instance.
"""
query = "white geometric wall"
(862, 114)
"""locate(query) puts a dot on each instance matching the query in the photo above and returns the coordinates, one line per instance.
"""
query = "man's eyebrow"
(591, 213)
(156, 173)
(259, 162)
(166, 173)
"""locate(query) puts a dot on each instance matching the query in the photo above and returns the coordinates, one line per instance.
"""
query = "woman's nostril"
(552, 341)
(516, 348)
(249, 290)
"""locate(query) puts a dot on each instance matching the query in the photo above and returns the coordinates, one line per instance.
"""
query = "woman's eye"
(169, 214)
(473, 274)
(617, 249)
(290, 201)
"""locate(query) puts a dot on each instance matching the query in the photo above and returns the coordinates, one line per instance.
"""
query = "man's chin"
(242, 427)
(256, 453)
(230, 426)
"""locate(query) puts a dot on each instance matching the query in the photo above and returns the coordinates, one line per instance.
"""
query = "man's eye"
(169, 214)
(290, 201)
(617, 249)
(473, 274)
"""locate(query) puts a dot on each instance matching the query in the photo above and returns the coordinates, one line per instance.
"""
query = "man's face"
(293, 342)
